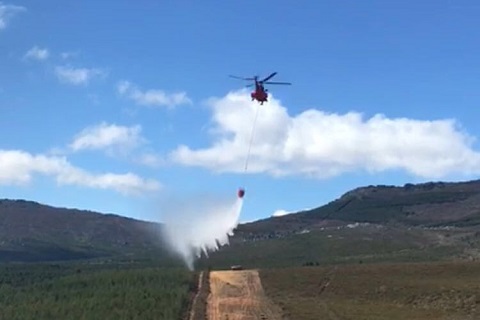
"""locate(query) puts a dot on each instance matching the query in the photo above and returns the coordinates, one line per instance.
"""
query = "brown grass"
(388, 291)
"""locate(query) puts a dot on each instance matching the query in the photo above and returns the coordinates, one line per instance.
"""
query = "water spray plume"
(199, 224)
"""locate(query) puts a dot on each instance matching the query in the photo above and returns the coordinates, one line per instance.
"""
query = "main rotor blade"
(269, 77)
(241, 78)
(278, 83)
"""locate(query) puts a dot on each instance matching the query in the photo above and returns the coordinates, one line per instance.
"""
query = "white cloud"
(7, 12)
(150, 160)
(77, 76)
(279, 213)
(17, 168)
(37, 53)
(322, 145)
(153, 97)
(282, 212)
(109, 137)
(114, 140)
(67, 55)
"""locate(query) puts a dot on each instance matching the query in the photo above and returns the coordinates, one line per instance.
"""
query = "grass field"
(62, 291)
(381, 291)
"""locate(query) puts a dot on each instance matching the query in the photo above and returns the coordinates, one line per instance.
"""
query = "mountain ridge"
(31, 231)
(29, 227)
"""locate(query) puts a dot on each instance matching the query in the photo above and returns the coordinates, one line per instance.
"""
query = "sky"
(114, 106)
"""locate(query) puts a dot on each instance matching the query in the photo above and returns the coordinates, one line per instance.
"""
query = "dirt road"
(238, 295)
(195, 299)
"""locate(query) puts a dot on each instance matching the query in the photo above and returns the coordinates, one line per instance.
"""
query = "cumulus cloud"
(18, 167)
(318, 144)
(115, 140)
(281, 212)
(7, 12)
(153, 97)
(77, 76)
(37, 53)
(109, 137)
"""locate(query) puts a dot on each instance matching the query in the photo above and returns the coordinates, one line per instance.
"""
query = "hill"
(415, 222)
(30, 231)
(433, 220)
(432, 204)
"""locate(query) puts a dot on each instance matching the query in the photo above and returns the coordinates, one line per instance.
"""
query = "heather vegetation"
(361, 244)
(427, 291)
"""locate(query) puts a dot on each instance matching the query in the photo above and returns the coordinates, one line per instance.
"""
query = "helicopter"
(260, 94)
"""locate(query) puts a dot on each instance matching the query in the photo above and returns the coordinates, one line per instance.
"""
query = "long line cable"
(251, 139)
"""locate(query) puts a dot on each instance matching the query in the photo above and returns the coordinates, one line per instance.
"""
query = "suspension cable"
(251, 138)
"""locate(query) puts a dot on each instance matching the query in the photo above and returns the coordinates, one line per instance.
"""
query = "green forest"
(50, 291)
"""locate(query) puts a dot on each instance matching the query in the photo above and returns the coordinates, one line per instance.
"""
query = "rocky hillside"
(30, 231)
(432, 204)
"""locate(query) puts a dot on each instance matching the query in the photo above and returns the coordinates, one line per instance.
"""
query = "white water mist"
(199, 224)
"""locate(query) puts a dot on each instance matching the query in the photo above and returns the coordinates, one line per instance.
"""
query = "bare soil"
(238, 295)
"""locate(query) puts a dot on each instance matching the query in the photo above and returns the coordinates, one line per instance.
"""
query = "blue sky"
(113, 105)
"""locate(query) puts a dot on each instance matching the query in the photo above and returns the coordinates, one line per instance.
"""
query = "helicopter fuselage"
(259, 94)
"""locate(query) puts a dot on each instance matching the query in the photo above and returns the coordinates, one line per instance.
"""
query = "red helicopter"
(260, 94)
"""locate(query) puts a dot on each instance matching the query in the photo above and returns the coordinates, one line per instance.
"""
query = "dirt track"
(238, 295)
(195, 299)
